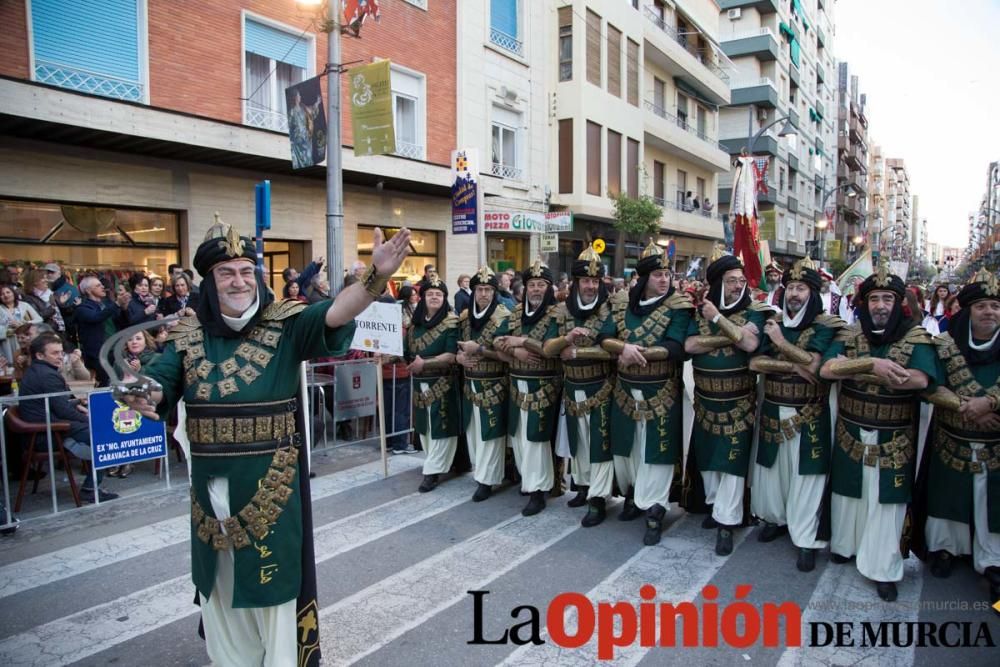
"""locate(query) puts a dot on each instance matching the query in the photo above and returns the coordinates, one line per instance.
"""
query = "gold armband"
(593, 353)
(436, 365)
(795, 355)
(554, 346)
(656, 353)
(994, 402)
(771, 365)
(374, 284)
(533, 346)
(943, 397)
(712, 342)
(852, 366)
(613, 345)
(729, 330)
(870, 378)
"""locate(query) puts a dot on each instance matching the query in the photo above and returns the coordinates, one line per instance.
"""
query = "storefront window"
(423, 251)
(88, 237)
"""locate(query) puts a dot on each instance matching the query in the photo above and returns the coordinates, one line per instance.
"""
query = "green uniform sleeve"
(758, 317)
(553, 329)
(166, 369)
(835, 349)
(608, 328)
(451, 341)
(692, 329)
(311, 337)
(821, 340)
(925, 359)
(680, 325)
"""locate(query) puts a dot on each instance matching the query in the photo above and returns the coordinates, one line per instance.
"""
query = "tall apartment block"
(897, 201)
(783, 64)
(852, 166)
(877, 212)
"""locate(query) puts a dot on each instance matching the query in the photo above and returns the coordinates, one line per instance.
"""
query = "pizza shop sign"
(526, 223)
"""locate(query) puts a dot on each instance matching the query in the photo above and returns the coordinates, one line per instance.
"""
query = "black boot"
(654, 525)
(992, 575)
(807, 560)
(595, 512)
(629, 511)
(483, 491)
(580, 499)
(771, 532)
(838, 559)
(430, 481)
(724, 541)
(941, 564)
(535, 505)
(709, 522)
(886, 590)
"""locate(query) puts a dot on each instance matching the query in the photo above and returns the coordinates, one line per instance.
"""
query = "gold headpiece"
(991, 286)
(882, 275)
(433, 280)
(229, 238)
(798, 269)
(485, 273)
(590, 255)
(536, 269)
(654, 250)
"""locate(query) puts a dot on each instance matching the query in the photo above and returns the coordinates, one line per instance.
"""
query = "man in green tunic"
(581, 323)
(722, 336)
(650, 328)
(431, 344)
(235, 365)
(484, 408)
(788, 479)
(535, 384)
(961, 471)
(884, 362)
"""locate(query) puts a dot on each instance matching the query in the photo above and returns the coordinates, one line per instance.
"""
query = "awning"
(797, 8)
(691, 91)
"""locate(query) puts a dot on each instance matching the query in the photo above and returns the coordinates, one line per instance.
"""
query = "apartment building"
(897, 229)
(876, 205)
(635, 97)
(783, 67)
(849, 220)
(129, 124)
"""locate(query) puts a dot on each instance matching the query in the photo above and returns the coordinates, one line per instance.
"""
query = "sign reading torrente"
(379, 328)
(527, 222)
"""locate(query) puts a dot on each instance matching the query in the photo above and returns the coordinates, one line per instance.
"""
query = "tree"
(637, 216)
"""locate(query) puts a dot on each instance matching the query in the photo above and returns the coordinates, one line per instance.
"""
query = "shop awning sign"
(527, 222)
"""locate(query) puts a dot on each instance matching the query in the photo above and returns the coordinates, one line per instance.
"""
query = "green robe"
(442, 396)
(598, 391)
(914, 351)
(950, 489)
(541, 402)
(664, 409)
(722, 433)
(260, 366)
(816, 432)
(489, 395)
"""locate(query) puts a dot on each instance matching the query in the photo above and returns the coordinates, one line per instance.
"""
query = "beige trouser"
(533, 458)
(486, 455)
(650, 481)
(439, 452)
(600, 477)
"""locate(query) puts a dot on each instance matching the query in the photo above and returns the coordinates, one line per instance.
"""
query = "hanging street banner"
(306, 123)
(464, 191)
(527, 222)
(379, 328)
(768, 225)
(120, 435)
(833, 249)
(371, 109)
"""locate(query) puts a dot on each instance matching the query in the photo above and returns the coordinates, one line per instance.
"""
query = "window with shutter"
(632, 160)
(565, 156)
(593, 48)
(632, 65)
(566, 43)
(505, 27)
(273, 60)
(614, 61)
(593, 158)
(614, 163)
(409, 105)
(658, 173)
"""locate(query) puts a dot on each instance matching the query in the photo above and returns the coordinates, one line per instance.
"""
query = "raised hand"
(388, 256)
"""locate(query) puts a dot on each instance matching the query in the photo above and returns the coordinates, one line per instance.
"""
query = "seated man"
(44, 376)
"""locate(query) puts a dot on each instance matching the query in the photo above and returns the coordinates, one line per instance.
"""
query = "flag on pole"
(861, 268)
(746, 235)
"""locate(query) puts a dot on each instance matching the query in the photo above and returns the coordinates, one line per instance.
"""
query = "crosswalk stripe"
(679, 567)
(86, 556)
(77, 636)
(843, 594)
(362, 623)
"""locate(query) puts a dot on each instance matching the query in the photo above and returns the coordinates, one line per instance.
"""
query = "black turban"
(716, 270)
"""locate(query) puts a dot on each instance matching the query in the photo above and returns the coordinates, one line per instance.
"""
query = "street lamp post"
(823, 223)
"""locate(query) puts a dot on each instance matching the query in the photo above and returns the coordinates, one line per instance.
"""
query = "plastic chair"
(37, 460)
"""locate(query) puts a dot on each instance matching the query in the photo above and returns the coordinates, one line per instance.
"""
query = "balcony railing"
(507, 42)
(406, 149)
(507, 171)
(57, 74)
(671, 32)
(684, 208)
(751, 82)
(268, 119)
(683, 124)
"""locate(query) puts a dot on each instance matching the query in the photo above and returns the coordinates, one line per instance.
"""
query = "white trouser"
(724, 492)
(533, 458)
(486, 455)
(243, 637)
(780, 495)
(868, 528)
(439, 452)
(600, 477)
(954, 537)
(650, 481)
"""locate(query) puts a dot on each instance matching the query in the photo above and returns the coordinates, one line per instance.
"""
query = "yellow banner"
(371, 109)
(833, 249)
(768, 225)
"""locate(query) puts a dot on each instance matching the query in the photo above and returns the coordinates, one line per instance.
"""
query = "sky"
(931, 70)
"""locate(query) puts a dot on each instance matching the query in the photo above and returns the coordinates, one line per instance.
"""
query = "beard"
(793, 306)
(237, 302)
(535, 301)
(773, 285)
(880, 319)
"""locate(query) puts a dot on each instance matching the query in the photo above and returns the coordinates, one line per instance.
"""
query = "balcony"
(507, 42)
(676, 220)
(762, 6)
(406, 149)
(760, 43)
(818, 180)
(265, 118)
(793, 118)
(677, 54)
(666, 132)
(760, 91)
(793, 205)
(505, 171)
(820, 109)
(820, 38)
(820, 74)
(57, 74)
(859, 182)
(766, 145)
(793, 76)
(770, 197)
(793, 162)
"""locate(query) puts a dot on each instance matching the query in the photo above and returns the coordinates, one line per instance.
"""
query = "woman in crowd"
(406, 299)
(141, 308)
(140, 350)
(13, 313)
(292, 290)
(951, 308)
(182, 301)
(936, 304)
(38, 295)
(156, 289)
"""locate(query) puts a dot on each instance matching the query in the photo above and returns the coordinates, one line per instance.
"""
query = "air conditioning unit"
(734, 14)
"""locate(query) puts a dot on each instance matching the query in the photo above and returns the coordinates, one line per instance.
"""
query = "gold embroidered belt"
(793, 391)
(727, 422)
(487, 369)
(723, 385)
(546, 366)
(657, 405)
(217, 425)
(783, 430)
(545, 396)
(956, 425)
(654, 371)
(492, 393)
(437, 390)
(873, 411)
(433, 374)
(959, 456)
(894, 454)
(586, 371)
(576, 408)
(257, 516)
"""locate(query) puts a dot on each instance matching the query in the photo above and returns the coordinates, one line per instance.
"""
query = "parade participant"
(582, 321)
(722, 336)
(884, 361)
(236, 366)
(772, 277)
(834, 302)
(484, 407)
(535, 385)
(794, 435)
(650, 327)
(431, 344)
(963, 450)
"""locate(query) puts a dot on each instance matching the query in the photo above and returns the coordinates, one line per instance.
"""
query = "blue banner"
(464, 191)
(120, 435)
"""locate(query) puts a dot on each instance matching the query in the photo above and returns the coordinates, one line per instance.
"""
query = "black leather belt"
(209, 410)
(246, 448)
